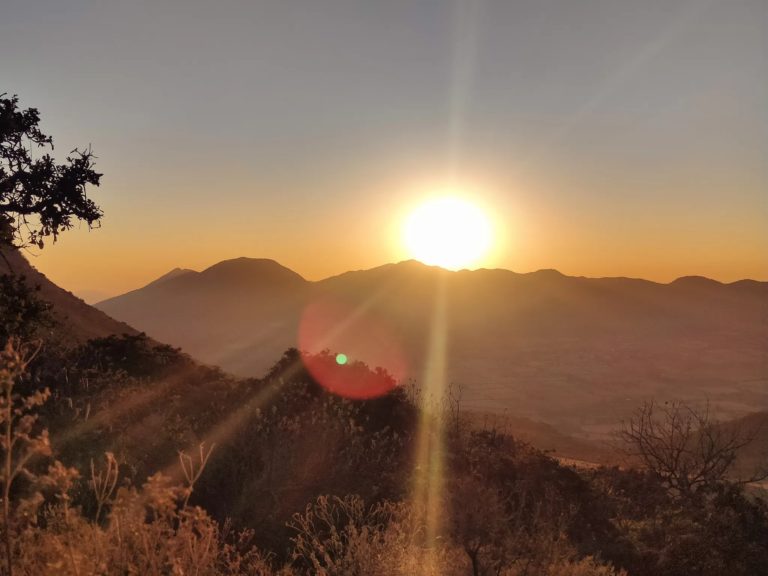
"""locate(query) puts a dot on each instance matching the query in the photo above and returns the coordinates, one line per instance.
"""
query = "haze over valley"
(577, 353)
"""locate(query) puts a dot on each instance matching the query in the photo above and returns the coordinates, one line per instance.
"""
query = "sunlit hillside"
(578, 353)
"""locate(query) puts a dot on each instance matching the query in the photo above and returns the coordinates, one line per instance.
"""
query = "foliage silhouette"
(23, 314)
(38, 197)
(337, 471)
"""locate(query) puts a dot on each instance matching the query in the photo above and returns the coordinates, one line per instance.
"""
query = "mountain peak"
(695, 281)
(245, 269)
(175, 273)
(548, 273)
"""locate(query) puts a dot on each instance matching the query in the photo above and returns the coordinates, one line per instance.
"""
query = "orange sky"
(532, 231)
(603, 138)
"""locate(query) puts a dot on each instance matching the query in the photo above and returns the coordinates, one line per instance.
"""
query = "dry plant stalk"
(104, 482)
(18, 442)
(192, 469)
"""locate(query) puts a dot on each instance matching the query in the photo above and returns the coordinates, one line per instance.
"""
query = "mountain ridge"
(549, 346)
(412, 263)
(77, 320)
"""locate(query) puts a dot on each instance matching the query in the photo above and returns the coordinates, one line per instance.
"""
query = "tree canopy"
(38, 197)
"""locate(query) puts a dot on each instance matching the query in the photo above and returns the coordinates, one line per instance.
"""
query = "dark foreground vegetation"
(122, 456)
(278, 476)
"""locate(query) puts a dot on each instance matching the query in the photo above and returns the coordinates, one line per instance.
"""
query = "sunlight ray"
(617, 78)
(233, 422)
(140, 398)
(427, 489)
(466, 15)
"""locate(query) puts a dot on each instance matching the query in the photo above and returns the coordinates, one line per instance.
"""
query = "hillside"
(578, 353)
(754, 456)
(78, 321)
(236, 314)
(264, 447)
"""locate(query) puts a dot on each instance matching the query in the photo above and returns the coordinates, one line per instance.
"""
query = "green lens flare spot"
(341, 359)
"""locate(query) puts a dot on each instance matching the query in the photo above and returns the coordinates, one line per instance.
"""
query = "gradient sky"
(605, 137)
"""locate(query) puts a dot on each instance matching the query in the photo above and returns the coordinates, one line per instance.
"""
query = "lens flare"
(372, 362)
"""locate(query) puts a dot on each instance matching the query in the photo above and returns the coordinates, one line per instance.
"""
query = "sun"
(448, 231)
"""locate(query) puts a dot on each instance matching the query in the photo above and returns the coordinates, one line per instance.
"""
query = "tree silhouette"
(686, 447)
(38, 197)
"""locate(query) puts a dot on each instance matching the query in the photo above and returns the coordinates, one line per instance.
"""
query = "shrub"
(341, 536)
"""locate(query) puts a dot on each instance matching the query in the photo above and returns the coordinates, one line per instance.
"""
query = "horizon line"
(425, 265)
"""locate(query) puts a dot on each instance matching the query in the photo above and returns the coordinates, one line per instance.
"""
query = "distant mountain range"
(576, 352)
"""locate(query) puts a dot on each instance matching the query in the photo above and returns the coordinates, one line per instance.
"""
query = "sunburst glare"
(449, 232)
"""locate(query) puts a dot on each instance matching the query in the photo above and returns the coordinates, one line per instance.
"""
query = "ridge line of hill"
(262, 263)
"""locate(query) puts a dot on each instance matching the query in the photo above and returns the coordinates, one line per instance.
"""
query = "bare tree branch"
(687, 448)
